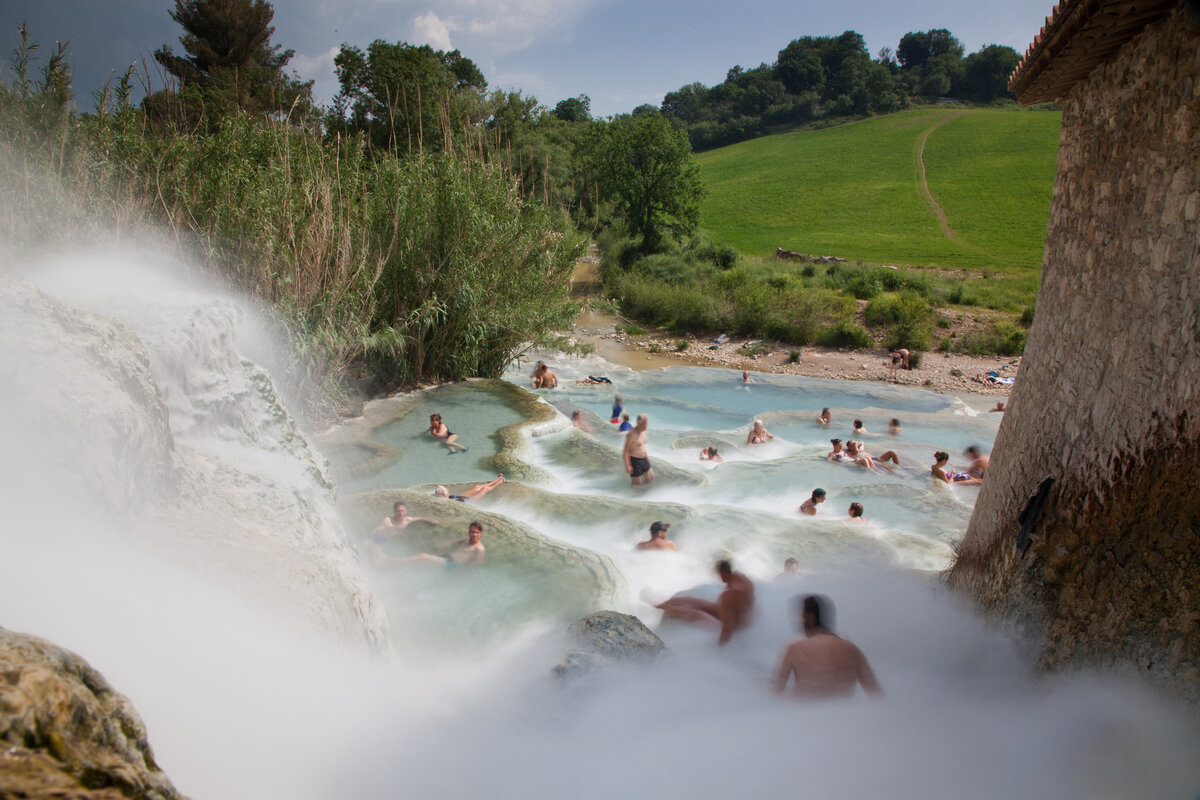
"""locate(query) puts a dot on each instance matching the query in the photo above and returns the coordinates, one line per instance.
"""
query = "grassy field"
(853, 191)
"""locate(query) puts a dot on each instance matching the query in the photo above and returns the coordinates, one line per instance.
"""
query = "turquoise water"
(745, 507)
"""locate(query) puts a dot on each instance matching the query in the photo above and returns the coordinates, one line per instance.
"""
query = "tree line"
(830, 77)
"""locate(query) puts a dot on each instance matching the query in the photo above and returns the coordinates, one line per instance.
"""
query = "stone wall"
(1105, 401)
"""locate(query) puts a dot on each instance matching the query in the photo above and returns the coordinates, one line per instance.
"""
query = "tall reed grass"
(428, 268)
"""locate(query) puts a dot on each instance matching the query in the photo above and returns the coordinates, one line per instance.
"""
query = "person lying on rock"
(476, 491)
(822, 663)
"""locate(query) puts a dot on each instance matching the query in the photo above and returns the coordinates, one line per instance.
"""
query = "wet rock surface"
(66, 732)
(605, 639)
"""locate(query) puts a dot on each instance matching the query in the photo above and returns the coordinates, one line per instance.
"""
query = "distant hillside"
(855, 190)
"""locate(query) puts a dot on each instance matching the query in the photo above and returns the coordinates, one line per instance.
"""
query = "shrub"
(794, 356)
(865, 285)
(631, 329)
(845, 334)
(1002, 338)
(915, 357)
(1027, 314)
(808, 271)
(681, 345)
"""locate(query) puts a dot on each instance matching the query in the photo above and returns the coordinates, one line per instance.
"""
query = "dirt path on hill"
(923, 182)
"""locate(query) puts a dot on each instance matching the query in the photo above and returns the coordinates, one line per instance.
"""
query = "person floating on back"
(440, 431)
(822, 663)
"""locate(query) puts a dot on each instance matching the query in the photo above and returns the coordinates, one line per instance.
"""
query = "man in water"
(791, 570)
(578, 421)
(460, 553)
(746, 376)
(823, 663)
(979, 461)
(637, 462)
(478, 490)
(626, 425)
(658, 538)
(733, 610)
(398, 521)
(809, 506)
(856, 512)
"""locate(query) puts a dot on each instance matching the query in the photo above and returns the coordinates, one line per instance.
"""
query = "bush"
(915, 357)
(808, 271)
(681, 345)
(910, 318)
(1027, 314)
(845, 334)
(794, 356)
(1002, 338)
(865, 285)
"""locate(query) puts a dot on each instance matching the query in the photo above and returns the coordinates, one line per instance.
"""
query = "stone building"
(1106, 399)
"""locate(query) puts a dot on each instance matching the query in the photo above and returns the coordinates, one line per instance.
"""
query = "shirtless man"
(460, 553)
(791, 570)
(859, 430)
(398, 521)
(733, 609)
(979, 461)
(578, 421)
(823, 663)
(746, 376)
(710, 454)
(809, 506)
(546, 380)
(478, 490)
(637, 463)
(856, 511)
(658, 538)
(894, 427)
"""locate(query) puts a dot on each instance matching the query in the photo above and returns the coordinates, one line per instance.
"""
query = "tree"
(574, 109)
(230, 63)
(646, 167)
(986, 73)
(406, 97)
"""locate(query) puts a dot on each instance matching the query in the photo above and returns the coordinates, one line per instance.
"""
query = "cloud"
(432, 30)
(513, 25)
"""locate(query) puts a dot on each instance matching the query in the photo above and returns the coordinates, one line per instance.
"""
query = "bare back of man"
(823, 664)
(733, 609)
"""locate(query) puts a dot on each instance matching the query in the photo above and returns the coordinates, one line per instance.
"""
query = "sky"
(621, 53)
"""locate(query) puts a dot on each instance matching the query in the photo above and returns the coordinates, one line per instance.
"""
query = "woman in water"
(938, 470)
(710, 454)
(758, 434)
(440, 431)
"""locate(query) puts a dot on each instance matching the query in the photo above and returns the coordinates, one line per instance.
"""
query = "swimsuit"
(640, 466)
(961, 476)
(458, 498)
(840, 456)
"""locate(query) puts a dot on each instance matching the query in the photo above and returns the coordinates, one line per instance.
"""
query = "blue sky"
(621, 53)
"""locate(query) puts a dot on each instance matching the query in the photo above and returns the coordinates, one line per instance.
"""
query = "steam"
(243, 699)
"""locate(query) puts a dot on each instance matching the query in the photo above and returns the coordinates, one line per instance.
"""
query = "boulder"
(68, 733)
(607, 638)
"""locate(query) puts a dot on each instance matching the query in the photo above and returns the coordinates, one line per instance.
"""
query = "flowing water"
(211, 581)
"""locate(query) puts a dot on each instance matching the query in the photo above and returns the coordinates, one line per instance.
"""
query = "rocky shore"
(938, 371)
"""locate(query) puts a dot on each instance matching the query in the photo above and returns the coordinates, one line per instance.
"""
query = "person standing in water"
(440, 431)
(617, 410)
(637, 462)
(822, 663)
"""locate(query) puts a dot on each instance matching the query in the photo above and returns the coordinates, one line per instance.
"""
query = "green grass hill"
(856, 190)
